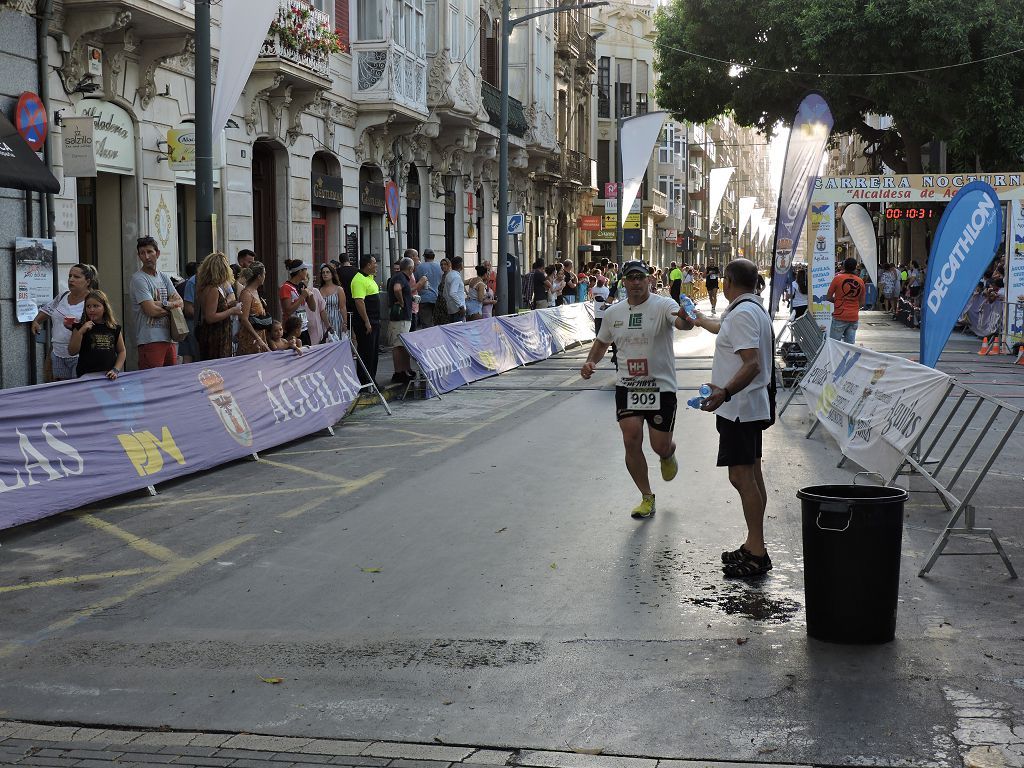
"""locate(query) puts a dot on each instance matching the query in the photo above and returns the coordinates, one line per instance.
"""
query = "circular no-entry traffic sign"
(391, 200)
(30, 120)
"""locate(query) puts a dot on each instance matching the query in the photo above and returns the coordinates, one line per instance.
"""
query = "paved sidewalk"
(70, 747)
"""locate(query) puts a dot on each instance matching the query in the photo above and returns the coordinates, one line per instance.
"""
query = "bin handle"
(879, 475)
(847, 508)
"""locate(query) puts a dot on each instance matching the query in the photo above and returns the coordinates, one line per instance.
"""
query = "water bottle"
(703, 393)
(688, 307)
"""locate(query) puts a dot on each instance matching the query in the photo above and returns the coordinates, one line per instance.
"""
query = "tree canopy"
(785, 48)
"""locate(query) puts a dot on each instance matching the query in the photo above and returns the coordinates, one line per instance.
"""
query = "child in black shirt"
(97, 339)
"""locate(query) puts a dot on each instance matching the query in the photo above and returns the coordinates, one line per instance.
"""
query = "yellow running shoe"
(644, 509)
(669, 468)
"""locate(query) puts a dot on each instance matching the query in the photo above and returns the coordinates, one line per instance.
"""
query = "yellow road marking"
(191, 499)
(64, 581)
(349, 487)
(166, 574)
(331, 480)
(360, 447)
(147, 547)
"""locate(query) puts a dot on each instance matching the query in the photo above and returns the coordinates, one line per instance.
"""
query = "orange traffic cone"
(994, 348)
(984, 347)
(1020, 356)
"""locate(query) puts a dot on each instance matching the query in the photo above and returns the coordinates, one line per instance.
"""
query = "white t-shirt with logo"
(643, 340)
(744, 326)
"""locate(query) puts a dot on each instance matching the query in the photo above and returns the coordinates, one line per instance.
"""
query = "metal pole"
(502, 281)
(204, 132)
(619, 245)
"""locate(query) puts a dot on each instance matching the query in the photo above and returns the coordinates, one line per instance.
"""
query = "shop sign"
(604, 235)
(671, 235)
(590, 223)
(114, 136)
(328, 191)
(371, 198)
(78, 157)
(181, 148)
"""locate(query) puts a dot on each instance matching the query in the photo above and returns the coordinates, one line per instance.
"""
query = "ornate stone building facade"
(411, 96)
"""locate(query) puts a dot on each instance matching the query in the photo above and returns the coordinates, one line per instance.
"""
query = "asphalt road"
(466, 572)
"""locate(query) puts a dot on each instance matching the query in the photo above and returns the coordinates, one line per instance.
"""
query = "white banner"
(874, 405)
(245, 24)
(639, 135)
(1015, 276)
(718, 180)
(862, 232)
(746, 208)
(78, 158)
(823, 263)
(163, 224)
(755, 221)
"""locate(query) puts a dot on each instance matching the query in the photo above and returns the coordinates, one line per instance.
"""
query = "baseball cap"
(635, 266)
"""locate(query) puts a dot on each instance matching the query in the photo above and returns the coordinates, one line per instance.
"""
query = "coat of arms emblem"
(227, 409)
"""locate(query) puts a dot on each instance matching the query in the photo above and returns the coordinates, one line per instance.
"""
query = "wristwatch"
(728, 396)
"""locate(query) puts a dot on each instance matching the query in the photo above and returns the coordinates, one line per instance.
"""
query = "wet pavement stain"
(664, 572)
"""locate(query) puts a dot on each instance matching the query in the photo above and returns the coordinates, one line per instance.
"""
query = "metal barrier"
(946, 474)
(806, 332)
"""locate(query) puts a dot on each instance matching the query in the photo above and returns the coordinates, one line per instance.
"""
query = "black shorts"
(739, 442)
(663, 420)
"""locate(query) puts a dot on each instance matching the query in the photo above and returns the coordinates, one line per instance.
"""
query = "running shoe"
(669, 468)
(644, 509)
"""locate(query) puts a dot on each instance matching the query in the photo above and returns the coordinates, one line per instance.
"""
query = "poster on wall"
(823, 262)
(1015, 276)
(34, 265)
(162, 219)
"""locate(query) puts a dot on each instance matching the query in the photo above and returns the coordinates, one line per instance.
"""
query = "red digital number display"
(909, 213)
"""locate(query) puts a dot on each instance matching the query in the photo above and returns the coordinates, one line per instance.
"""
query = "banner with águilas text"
(68, 444)
(874, 405)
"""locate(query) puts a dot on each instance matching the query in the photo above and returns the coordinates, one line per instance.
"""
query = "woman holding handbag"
(255, 320)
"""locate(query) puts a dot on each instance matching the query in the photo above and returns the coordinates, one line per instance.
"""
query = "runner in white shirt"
(641, 327)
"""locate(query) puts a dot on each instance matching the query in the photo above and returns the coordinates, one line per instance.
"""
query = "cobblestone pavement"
(70, 747)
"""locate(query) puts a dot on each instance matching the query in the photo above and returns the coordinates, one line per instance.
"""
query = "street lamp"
(507, 25)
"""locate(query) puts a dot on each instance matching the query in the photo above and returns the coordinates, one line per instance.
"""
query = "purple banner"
(530, 339)
(100, 438)
(457, 354)
(807, 141)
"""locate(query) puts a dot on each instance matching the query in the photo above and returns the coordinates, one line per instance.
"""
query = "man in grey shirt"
(152, 298)
(431, 270)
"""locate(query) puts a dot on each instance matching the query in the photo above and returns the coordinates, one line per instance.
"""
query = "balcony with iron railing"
(569, 168)
(588, 57)
(300, 41)
(569, 38)
(517, 124)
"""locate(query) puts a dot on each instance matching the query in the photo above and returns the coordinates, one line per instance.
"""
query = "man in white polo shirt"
(740, 375)
(641, 327)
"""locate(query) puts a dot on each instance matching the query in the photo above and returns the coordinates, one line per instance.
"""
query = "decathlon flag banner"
(874, 405)
(862, 232)
(965, 243)
(68, 444)
(804, 151)
(456, 354)
(1015, 276)
(639, 135)
(244, 26)
(823, 263)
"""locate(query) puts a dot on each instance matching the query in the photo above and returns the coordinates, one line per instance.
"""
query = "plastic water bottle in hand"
(704, 393)
(688, 306)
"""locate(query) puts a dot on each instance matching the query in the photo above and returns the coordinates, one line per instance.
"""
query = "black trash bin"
(852, 539)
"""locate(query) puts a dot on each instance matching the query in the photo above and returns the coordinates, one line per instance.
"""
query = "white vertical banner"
(746, 209)
(756, 216)
(862, 232)
(823, 262)
(162, 223)
(639, 136)
(244, 25)
(718, 180)
(1015, 276)
(766, 229)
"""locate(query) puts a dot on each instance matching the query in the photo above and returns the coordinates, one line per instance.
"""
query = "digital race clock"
(909, 213)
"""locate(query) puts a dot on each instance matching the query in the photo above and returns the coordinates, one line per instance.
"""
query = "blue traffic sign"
(516, 224)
